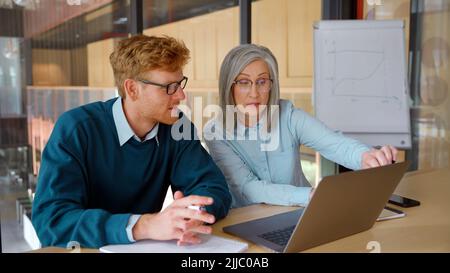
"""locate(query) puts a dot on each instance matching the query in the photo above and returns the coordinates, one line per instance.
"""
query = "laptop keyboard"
(279, 236)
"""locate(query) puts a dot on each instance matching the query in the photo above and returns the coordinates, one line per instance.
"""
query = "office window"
(429, 68)
(45, 48)
(432, 106)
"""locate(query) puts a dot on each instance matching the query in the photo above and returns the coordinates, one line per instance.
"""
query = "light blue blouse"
(276, 177)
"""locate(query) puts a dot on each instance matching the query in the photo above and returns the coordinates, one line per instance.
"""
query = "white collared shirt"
(123, 128)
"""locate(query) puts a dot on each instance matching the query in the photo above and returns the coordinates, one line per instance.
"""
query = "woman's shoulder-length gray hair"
(235, 62)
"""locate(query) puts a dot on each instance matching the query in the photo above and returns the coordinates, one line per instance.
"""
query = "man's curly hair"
(139, 54)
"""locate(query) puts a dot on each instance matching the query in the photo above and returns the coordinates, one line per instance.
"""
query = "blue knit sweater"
(89, 185)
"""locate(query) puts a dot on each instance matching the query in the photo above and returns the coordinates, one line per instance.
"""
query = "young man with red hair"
(107, 166)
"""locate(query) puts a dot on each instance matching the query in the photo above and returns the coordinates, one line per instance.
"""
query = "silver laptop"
(342, 205)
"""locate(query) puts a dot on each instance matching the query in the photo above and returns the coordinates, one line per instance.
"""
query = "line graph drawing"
(360, 80)
(366, 77)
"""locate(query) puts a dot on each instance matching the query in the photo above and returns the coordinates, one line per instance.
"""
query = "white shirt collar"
(123, 128)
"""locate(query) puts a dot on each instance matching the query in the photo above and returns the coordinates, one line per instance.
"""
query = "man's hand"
(177, 221)
(376, 158)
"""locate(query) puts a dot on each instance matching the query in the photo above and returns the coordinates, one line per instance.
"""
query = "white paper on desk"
(209, 244)
(390, 213)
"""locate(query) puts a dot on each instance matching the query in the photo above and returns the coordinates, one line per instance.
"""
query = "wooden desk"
(425, 228)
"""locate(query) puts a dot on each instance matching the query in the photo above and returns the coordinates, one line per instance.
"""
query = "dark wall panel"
(11, 23)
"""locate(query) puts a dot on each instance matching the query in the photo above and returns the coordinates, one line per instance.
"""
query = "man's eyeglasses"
(171, 88)
(262, 85)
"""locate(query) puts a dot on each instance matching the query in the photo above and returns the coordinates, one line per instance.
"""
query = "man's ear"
(131, 89)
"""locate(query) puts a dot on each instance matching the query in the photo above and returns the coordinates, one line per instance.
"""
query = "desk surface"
(425, 228)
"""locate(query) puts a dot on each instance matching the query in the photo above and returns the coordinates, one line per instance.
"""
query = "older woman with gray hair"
(255, 115)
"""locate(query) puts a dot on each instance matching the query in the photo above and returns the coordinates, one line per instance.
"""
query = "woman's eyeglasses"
(263, 85)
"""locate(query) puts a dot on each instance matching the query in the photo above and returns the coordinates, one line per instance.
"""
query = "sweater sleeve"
(60, 213)
(195, 173)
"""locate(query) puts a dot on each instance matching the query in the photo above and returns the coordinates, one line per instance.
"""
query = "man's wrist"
(139, 229)
(131, 223)
(142, 228)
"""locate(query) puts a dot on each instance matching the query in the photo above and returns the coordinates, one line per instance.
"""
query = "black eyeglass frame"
(167, 86)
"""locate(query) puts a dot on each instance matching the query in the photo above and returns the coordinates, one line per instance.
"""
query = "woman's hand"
(376, 158)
